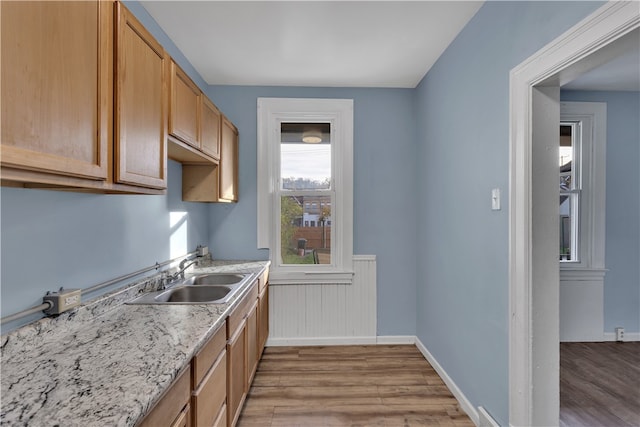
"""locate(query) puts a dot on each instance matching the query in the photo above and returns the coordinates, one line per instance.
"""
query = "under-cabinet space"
(214, 183)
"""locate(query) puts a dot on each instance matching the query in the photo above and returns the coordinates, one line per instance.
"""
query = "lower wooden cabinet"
(236, 373)
(252, 344)
(213, 388)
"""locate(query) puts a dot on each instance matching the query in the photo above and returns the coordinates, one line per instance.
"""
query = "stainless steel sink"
(209, 288)
(215, 279)
(194, 294)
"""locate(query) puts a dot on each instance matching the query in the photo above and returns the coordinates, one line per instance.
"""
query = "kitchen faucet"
(182, 267)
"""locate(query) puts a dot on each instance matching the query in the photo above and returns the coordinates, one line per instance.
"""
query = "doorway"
(533, 197)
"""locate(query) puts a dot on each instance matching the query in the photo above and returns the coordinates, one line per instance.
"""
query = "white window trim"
(339, 112)
(593, 119)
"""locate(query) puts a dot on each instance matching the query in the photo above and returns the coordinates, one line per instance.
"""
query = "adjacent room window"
(582, 177)
(570, 189)
(305, 188)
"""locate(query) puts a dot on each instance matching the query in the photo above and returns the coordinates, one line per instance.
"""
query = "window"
(570, 189)
(582, 185)
(305, 188)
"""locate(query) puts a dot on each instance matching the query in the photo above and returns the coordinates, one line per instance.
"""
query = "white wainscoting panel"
(581, 306)
(325, 314)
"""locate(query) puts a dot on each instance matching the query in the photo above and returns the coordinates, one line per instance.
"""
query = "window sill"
(577, 273)
(310, 277)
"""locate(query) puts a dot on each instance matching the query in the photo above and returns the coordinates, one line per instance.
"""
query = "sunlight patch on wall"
(178, 240)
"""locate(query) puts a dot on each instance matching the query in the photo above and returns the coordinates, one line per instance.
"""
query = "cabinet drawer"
(212, 393)
(205, 358)
(172, 403)
(235, 319)
(184, 419)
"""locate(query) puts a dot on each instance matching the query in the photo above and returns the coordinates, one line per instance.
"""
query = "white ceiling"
(312, 43)
(338, 43)
(621, 72)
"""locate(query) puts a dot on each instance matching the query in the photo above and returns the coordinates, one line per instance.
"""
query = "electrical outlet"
(620, 334)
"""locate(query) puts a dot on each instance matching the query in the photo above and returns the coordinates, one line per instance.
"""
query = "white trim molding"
(465, 404)
(569, 55)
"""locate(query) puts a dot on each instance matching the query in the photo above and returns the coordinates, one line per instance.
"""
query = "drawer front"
(184, 419)
(240, 313)
(212, 393)
(205, 358)
(172, 403)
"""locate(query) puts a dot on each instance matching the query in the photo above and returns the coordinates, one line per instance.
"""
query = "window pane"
(569, 159)
(566, 156)
(305, 156)
(305, 230)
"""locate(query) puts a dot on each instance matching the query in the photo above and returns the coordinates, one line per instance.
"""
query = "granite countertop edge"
(108, 362)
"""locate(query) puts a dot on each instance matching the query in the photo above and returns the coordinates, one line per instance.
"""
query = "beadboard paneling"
(326, 313)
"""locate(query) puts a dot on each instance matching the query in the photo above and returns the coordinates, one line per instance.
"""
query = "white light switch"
(495, 199)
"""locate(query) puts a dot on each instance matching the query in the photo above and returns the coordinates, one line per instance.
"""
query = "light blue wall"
(622, 247)
(462, 121)
(54, 238)
(384, 189)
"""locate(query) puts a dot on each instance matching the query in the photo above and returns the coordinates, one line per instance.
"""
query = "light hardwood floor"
(600, 384)
(381, 385)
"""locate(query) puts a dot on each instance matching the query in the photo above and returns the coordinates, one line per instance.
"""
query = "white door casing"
(533, 375)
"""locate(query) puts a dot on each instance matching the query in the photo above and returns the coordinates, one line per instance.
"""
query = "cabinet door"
(236, 374)
(141, 105)
(57, 76)
(263, 322)
(210, 135)
(184, 116)
(228, 167)
(252, 344)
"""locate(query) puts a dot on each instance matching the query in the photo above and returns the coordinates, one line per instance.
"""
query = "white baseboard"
(628, 336)
(465, 404)
(302, 341)
(396, 339)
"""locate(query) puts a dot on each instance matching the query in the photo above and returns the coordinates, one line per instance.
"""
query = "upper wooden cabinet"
(141, 104)
(57, 98)
(69, 121)
(184, 111)
(194, 122)
(228, 167)
(211, 122)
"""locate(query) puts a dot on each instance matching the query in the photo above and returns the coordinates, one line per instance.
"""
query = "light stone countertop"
(106, 363)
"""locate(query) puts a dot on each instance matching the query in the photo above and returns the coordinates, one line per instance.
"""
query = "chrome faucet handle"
(164, 280)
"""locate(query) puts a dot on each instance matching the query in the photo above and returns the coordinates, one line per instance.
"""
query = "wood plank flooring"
(376, 385)
(600, 384)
